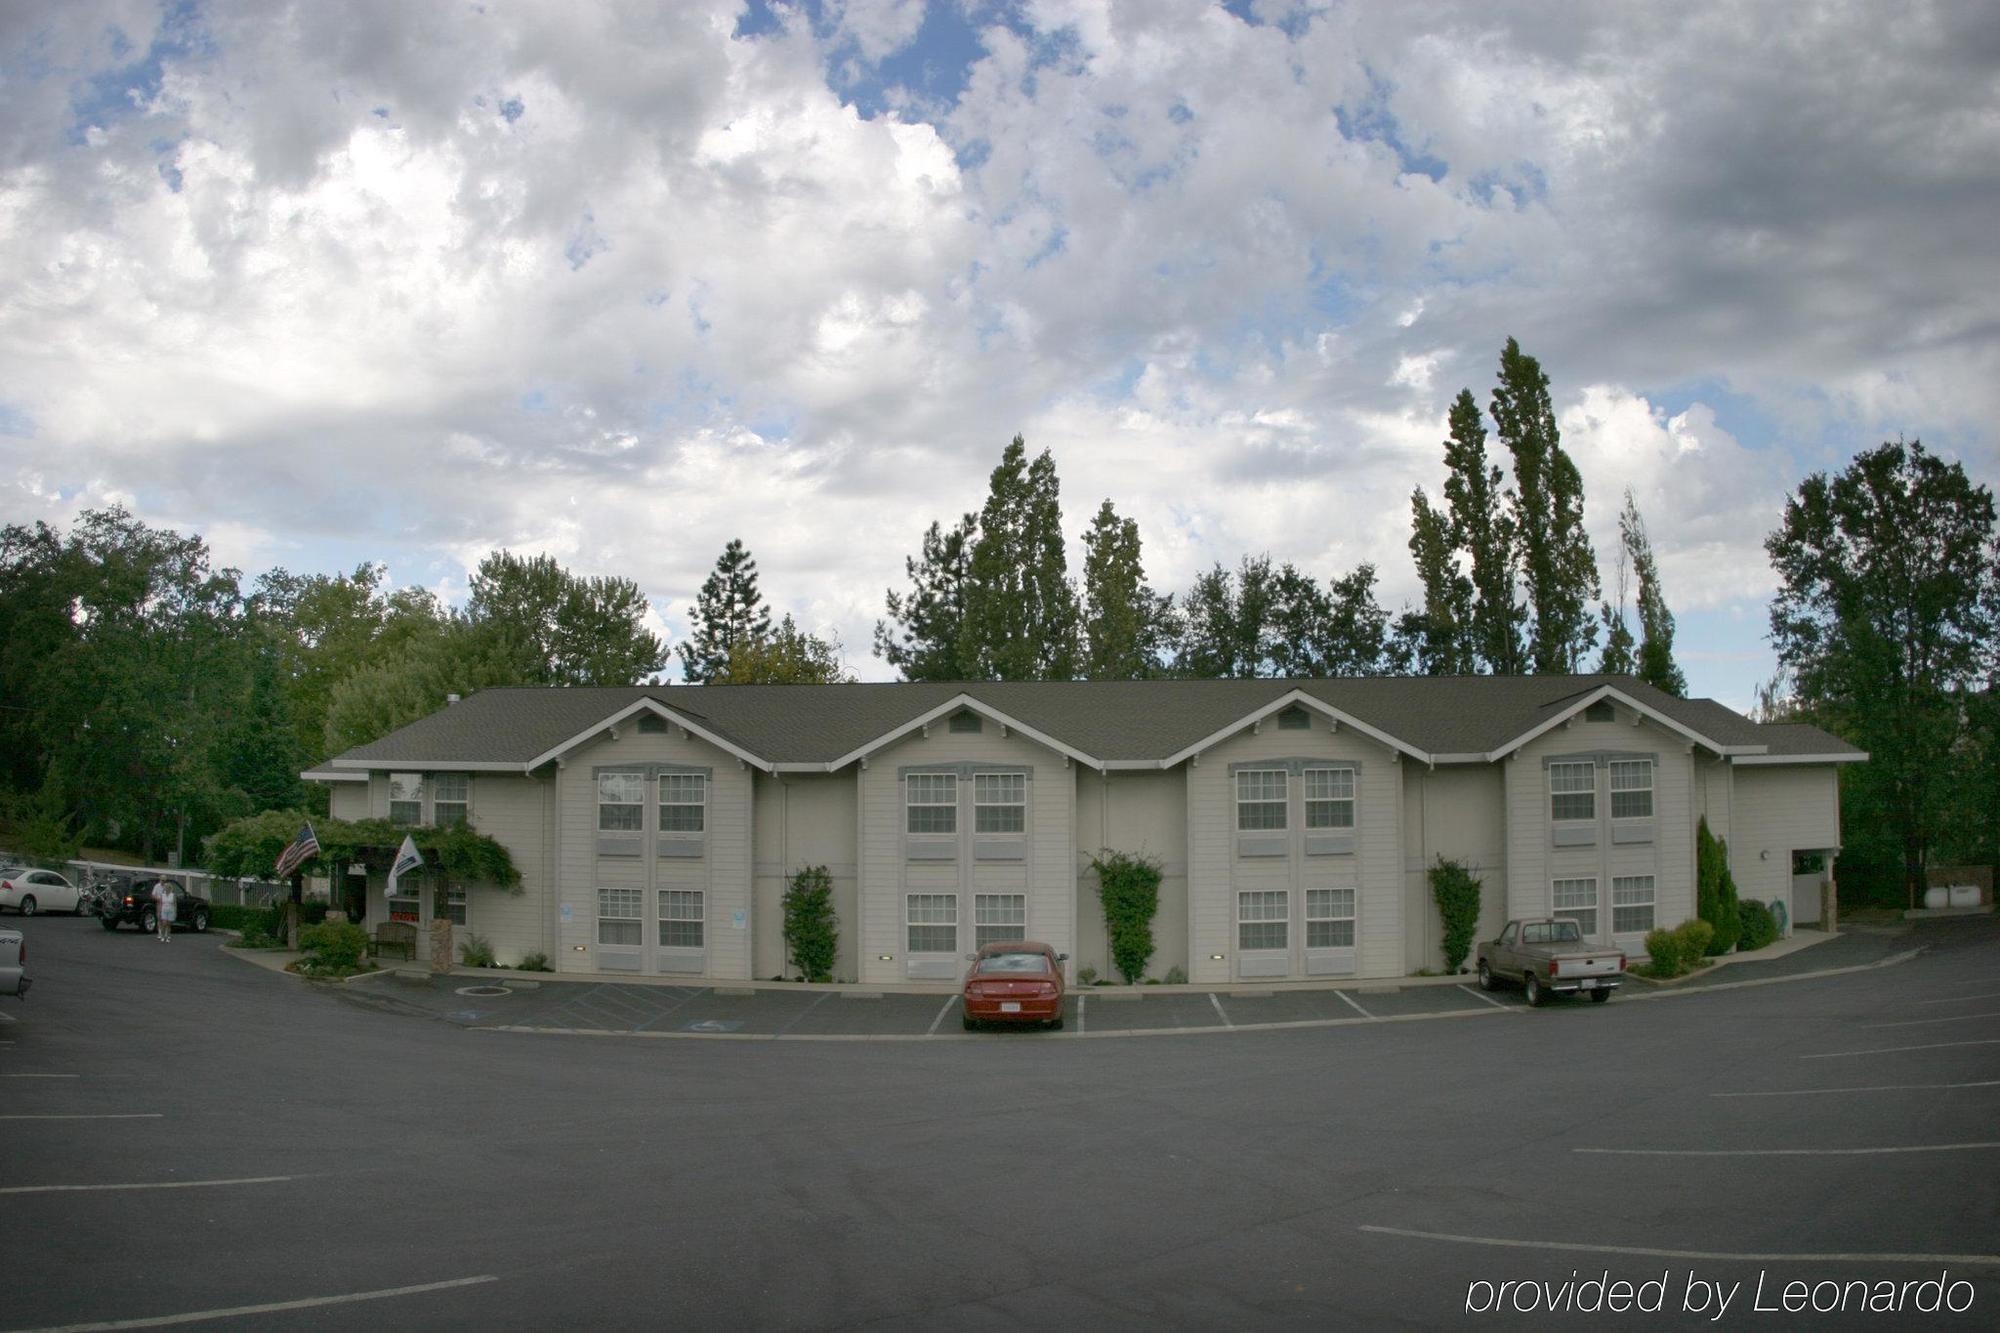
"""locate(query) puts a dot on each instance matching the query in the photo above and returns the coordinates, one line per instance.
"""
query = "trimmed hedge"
(1760, 925)
(1676, 952)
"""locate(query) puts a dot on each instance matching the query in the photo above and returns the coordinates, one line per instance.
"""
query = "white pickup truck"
(1548, 954)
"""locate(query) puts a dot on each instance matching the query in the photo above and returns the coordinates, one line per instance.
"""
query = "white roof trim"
(953, 705)
(1283, 702)
(366, 766)
(645, 704)
(1850, 757)
(1651, 714)
(330, 775)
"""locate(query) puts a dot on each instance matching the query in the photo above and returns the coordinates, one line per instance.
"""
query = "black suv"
(117, 906)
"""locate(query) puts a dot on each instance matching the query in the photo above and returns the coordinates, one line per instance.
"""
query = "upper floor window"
(683, 802)
(621, 802)
(999, 802)
(448, 799)
(1260, 799)
(406, 798)
(932, 802)
(1329, 798)
(1573, 791)
(964, 722)
(1294, 718)
(1631, 789)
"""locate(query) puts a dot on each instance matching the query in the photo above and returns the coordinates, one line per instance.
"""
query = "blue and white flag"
(407, 858)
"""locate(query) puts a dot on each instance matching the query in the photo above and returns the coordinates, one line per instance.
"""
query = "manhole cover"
(482, 990)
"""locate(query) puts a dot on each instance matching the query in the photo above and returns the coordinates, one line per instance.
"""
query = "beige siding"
(1047, 872)
(1457, 813)
(1144, 814)
(805, 819)
(1216, 873)
(1780, 810)
(348, 800)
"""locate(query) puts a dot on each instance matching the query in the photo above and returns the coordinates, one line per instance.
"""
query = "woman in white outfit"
(163, 908)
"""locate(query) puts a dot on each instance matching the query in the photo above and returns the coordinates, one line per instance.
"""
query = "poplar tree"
(1655, 662)
(1442, 637)
(1020, 607)
(1480, 525)
(1546, 507)
(1125, 623)
(729, 610)
(1618, 658)
(925, 625)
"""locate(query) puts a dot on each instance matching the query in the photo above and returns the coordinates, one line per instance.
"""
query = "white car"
(29, 891)
(13, 963)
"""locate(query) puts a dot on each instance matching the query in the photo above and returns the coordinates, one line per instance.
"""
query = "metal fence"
(216, 888)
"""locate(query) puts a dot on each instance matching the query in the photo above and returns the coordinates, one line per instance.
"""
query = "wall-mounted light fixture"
(885, 957)
(1215, 957)
(580, 948)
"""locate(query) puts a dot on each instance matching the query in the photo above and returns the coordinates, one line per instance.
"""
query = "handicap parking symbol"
(714, 1025)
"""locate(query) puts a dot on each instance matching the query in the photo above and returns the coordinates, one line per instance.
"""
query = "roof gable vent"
(965, 720)
(1601, 711)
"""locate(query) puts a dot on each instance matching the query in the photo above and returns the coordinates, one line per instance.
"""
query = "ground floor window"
(1329, 918)
(1576, 899)
(681, 918)
(454, 904)
(1000, 918)
(1262, 918)
(404, 905)
(1632, 904)
(933, 922)
(618, 916)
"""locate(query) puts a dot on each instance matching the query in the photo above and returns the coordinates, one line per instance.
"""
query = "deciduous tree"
(1546, 509)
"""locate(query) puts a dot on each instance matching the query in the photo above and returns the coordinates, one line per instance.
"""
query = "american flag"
(303, 848)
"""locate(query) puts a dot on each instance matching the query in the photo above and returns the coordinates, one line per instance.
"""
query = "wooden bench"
(400, 935)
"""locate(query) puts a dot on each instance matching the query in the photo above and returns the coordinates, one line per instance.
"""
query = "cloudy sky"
(407, 281)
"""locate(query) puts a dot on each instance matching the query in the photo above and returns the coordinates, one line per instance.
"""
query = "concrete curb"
(1891, 961)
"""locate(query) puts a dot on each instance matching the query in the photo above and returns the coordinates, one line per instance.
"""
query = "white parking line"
(1477, 995)
(237, 1311)
(1356, 1004)
(40, 1076)
(1216, 1000)
(1961, 999)
(1880, 1087)
(142, 1185)
(1081, 1026)
(1891, 1050)
(1920, 1022)
(122, 1115)
(940, 1015)
(1783, 1152)
(1650, 1252)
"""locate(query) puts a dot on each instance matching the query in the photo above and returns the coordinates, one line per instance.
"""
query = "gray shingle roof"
(1108, 720)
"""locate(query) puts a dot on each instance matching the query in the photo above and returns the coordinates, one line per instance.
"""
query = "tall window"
(621, 802)
(1262, 918)
(404, 904)
(1576, 899)
(683, 802)
(1329, 798)
(1573, 791)
(932, 919)
(933, 802)
(1329, 918)
(999, 802)
(454, 903)
(999, 918)
(1632, 789)
(680, 918)
(1260, 799)
(618, 916)
(406, 798)
(448, 799)
(1632, 904)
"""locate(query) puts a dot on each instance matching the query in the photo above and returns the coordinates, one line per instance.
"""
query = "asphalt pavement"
(189, 1139)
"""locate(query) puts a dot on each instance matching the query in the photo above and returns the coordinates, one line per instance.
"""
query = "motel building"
(656, 828)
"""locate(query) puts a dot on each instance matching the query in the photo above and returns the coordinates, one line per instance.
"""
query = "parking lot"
(213, 1141)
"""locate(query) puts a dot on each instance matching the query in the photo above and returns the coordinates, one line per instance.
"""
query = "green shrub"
(1760, 925)
(476, 950)
(1457, 895)
(333, 948)
(812, 932)
(1129, 888)
(1663, 947)
(1697, 940)
(228, 916)
(534, 962)
(1715, 890)
(1086, 975)
(1177, 975)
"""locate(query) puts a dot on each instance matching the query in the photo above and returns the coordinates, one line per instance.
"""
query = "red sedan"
(1014, 983)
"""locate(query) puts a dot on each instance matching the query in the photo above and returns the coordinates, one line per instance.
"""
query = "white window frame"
(684, 913)
(940, 793)
(1324, 811)
(637, 803)
(927, 911)
(441, 784)
(1631, 894)
(1576, 911)
(632, 912)
(454, 904)
(406, 783)
(1260, 799)
(1566, 770)
(999, 918)
(679, 785)
(406, 901)
(1009, 815)
(1273, 907)
(1336, 908)
(1631, 789)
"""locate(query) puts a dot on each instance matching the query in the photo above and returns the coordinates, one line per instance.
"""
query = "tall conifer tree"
(1481, 526)
(1125, 623)
(1547, 512)
(728, 611)
(929, 620)
(1020, 607)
